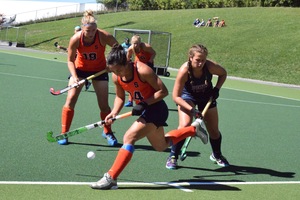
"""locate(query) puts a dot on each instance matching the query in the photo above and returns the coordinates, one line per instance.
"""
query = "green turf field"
(259, 123)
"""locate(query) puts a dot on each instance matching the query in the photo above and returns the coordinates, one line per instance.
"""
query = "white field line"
(178, 185)
(262, 103)
(150, 184)
(48, 79)
(259, 93)
(33, 77)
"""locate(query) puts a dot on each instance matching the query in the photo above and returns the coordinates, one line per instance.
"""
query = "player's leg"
(87, 85)
(68, 110)
(138, 130)
(185, 119)
(212, 125)
(129, 103)
(100, 84)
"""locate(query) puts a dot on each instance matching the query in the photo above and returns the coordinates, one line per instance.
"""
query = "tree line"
(194, 4)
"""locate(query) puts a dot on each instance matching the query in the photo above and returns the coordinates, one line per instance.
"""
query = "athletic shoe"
(128, 104)
(63, 141)
(200, 130)
(171, 163)
(87, 85)
(222, 161)
(111, 139)
(105, 183)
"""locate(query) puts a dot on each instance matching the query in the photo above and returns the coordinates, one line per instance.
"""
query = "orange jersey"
(138, 89)
(143, 56)
(90, 58)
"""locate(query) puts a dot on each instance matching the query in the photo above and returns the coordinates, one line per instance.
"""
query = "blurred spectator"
(216, 23)
(222, 23)
(196, 22)
(208, 23)
(126, 44)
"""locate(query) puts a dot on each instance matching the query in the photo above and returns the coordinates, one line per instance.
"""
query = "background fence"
(13, 35)
(53, 13)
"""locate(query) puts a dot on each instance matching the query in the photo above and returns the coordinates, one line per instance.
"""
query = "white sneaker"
(201, 130)
(222, 161)
(105, 183)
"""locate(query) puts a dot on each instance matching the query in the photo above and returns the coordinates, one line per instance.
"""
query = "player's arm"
(181, 78)
(72, 49)
(129, 53)
(120, 96)
(148, 48)
(148, 75)
(106, 38)
(216, 69)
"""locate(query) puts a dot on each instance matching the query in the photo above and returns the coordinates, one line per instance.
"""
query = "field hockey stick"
(58, 92)
(82, 129)
(183, 153)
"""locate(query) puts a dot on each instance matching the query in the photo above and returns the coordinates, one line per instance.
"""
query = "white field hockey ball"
(91, 155)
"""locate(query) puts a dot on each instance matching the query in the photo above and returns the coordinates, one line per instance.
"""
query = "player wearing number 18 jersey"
(86, 57)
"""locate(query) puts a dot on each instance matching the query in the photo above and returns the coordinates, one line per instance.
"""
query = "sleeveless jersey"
(143, 56)
(90, 58)
(138, 89)
(200, 87)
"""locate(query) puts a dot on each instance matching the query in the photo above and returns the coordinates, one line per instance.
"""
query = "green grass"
(257, 43)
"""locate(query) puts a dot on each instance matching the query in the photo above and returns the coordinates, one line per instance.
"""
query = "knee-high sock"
(176, 148)
(180, 134)
(216, 146)
(106, 128)
(66, 119)
(121, 161)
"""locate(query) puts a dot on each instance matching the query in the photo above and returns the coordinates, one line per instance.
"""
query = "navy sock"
(216, 146)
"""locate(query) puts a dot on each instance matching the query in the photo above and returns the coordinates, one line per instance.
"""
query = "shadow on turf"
(117, 147)
(244, 170)
(216, 187)
(45, 41)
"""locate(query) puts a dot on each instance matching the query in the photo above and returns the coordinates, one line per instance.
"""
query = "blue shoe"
(103, 135)
(128, 104)
(111, 139)
(63, 141)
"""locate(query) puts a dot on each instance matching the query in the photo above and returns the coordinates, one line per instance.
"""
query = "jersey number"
(138, 96)
(90, 56)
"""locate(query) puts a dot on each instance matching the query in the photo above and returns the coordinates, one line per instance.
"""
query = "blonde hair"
(88, 18)
(136, 38)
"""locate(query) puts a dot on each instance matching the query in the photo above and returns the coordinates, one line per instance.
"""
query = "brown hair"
(195, 48)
